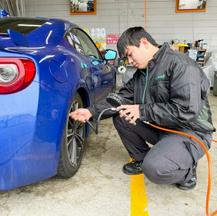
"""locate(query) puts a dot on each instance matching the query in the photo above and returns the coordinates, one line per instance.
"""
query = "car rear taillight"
(15, 74)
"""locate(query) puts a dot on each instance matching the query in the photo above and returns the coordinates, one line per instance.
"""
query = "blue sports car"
(48, 67)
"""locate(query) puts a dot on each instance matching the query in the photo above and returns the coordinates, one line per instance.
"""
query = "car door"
(101, 75)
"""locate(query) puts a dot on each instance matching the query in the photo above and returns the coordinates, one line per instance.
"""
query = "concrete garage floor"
(100, 188)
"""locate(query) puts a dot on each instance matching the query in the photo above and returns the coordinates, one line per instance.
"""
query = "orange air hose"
(208, 160)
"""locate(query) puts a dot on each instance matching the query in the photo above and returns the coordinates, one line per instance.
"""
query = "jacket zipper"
(146, 83)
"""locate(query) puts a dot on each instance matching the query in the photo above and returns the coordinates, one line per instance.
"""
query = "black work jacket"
(171, 92)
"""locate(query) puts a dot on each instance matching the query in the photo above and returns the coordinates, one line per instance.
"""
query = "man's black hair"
(132, 37)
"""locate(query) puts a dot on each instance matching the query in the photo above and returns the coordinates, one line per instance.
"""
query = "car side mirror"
(110, 54)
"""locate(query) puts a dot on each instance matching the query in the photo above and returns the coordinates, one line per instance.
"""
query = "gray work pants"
(170, 159)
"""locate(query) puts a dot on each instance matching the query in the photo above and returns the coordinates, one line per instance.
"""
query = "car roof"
(34, 31)
(22, 25)
(25, 25)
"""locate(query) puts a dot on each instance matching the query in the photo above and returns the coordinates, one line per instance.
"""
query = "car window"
(87, 44)
(74, 42)
(82, 43)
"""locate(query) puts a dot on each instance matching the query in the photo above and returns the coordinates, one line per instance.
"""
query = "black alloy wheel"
(73, 145)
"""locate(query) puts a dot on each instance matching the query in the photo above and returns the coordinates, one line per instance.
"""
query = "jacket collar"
(158, 55)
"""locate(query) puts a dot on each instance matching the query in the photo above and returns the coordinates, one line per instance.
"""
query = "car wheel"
(73, 145)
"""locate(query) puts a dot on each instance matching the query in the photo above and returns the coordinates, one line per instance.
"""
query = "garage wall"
(113, 15)
(116, 15)
(165, 24)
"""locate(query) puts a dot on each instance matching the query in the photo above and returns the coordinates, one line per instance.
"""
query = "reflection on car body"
(48, 67)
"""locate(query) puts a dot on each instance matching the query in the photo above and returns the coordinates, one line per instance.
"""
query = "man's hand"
(129, 112)
(81, 115)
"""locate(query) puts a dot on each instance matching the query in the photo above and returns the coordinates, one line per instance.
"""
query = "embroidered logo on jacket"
(161, 77)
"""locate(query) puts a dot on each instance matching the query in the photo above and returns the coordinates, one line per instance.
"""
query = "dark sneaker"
(191, 183)
(133, 168)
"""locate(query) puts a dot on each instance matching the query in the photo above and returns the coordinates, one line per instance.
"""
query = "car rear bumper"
(30, 136)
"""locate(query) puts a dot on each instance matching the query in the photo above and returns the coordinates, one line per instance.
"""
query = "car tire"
(73, 144)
